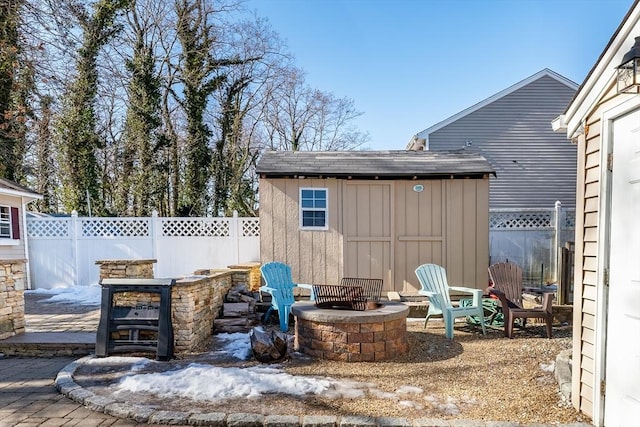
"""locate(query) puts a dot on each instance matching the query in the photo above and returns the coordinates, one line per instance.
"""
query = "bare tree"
(240, 99)
(297, 117)
(170, 113)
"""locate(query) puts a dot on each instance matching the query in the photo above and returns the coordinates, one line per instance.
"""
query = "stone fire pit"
(351, 336)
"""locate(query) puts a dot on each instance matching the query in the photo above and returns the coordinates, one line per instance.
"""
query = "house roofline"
(593, 87)
(545, 72)
(11, 188)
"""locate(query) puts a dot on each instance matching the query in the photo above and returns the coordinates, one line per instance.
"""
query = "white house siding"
(13, 251)
(516, 127)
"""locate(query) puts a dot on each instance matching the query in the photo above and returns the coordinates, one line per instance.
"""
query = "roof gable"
(371, 164)
(603, 71)
(511, 89)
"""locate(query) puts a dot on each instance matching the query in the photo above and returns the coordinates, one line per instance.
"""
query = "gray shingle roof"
(372, 164)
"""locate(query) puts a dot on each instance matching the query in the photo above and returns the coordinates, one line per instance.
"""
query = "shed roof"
(14, 189)
(373, 164)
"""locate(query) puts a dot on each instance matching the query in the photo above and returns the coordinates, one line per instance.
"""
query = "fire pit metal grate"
(353, 293)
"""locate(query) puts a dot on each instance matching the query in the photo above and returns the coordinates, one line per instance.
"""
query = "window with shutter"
(9, 223)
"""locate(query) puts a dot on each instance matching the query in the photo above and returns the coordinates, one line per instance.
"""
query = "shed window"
(313, 208)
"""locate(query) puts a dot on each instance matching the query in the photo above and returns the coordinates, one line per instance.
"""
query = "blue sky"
(408, 64)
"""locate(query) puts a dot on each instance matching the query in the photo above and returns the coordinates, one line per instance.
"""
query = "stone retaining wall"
(195, 304)
(196, 301)
(12, 280)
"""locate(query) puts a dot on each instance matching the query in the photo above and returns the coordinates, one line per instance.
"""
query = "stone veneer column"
(12, 279)
(126, 268)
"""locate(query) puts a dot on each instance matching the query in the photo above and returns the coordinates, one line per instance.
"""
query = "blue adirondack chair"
(433, 281)
(278, 283)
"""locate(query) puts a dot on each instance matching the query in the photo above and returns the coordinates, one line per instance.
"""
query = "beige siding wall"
(467, 232)
(380, 229)
(13, 251)
(314, 256)
(587, 249)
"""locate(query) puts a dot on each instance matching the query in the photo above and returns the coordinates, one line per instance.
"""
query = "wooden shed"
(376, 214)
(604, 121)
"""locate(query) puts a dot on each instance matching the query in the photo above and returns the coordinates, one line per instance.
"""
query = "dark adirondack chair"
(507, 286)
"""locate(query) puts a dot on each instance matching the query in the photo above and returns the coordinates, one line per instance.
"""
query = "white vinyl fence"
(532, 238)
(63, 251)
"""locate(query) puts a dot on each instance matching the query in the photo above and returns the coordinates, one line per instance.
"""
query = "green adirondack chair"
(278, 283)
(433, 281)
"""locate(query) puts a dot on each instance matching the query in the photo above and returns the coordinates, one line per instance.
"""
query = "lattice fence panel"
(520, 220)
(251, 227)
(47, 227)
(123, 227)
(196, 227)
(217, 228)
(569, 219)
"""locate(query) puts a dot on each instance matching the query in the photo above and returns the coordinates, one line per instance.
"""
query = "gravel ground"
(473, 376)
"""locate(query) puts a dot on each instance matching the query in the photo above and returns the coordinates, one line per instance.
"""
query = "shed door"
(622, 396)
(420, 225)
(367, 230)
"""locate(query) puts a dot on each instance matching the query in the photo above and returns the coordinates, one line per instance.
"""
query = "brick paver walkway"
(28, 397)
(58, 317)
